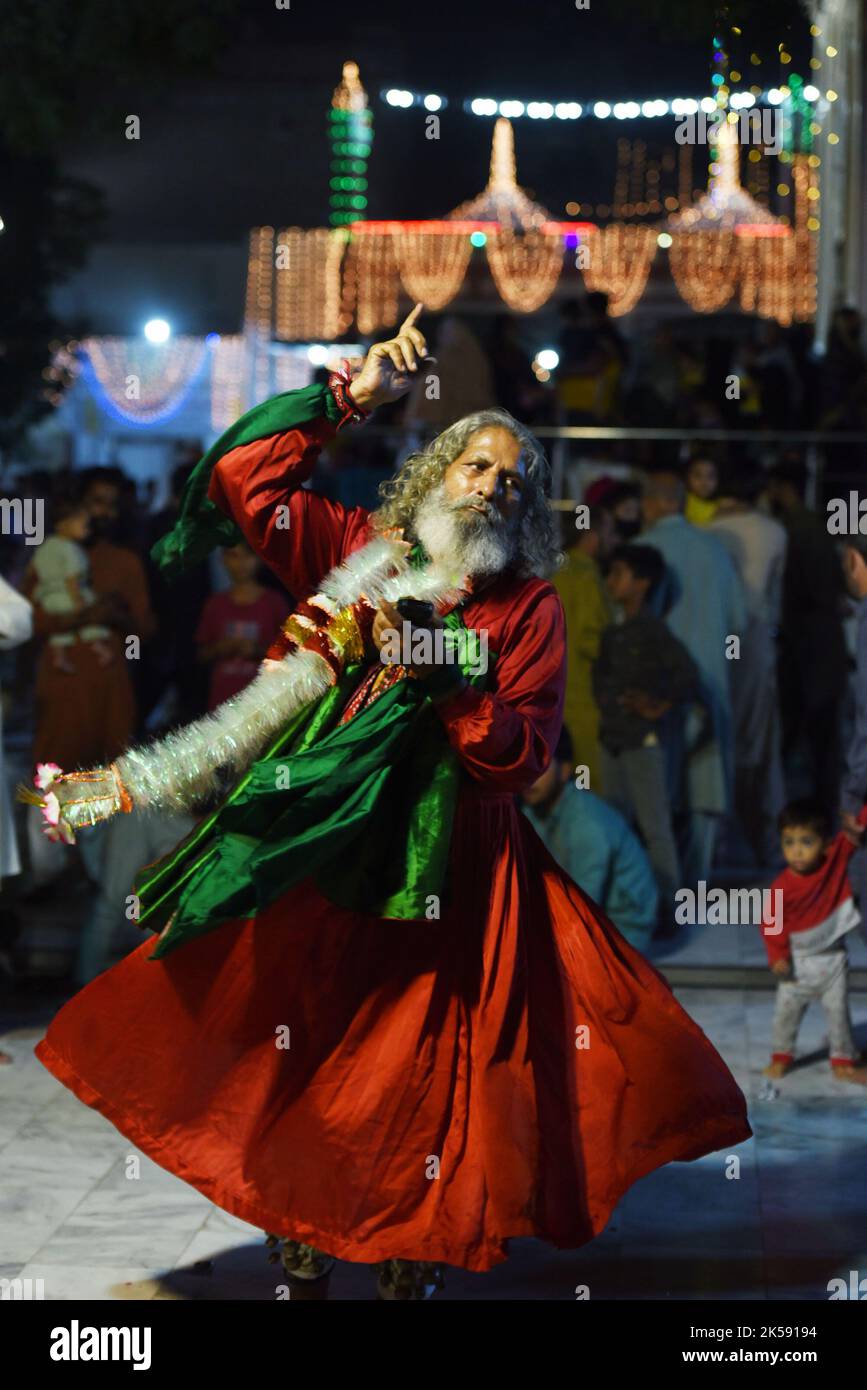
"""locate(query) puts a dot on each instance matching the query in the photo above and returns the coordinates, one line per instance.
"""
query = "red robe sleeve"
(299, 534)
(506, 738)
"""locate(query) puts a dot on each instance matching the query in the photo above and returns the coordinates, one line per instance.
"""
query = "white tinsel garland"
(176, 771)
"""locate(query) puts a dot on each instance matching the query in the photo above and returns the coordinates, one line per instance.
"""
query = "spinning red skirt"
(407, 1090)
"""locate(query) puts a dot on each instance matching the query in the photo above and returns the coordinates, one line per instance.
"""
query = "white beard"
(463, 543)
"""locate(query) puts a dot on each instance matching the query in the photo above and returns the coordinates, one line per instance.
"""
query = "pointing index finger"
(412, 316)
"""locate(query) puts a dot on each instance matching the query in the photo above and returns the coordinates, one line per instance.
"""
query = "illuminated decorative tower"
(726, 205)
(350, 135)
(503, 200)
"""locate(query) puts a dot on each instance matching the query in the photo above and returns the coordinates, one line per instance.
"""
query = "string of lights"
(619, 264)
(229, 381)
(526, 268)
(400, 99)
(378, 283)
(307, 294)
(704, 267)
(432, 267)
(259, 305)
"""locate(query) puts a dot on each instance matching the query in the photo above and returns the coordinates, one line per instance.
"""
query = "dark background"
(234, 112)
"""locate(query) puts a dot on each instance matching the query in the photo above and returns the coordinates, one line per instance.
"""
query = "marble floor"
(794, 1218)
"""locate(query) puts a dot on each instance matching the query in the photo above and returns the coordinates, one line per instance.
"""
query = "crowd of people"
(706, 609)
(101, 652)
(726, 680)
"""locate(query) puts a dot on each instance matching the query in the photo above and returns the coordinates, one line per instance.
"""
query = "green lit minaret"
(350, 135)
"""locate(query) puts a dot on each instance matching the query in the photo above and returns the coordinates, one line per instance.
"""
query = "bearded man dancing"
(378, 1020)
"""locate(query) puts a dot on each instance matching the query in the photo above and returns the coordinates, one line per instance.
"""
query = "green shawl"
(364, 807)
(201, 525)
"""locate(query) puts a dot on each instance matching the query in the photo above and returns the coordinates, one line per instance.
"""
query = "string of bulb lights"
(602, 110)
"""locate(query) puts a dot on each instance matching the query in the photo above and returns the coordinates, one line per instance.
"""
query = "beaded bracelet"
(339, 383)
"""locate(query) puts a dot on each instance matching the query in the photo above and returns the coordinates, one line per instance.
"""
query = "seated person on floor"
(593, 843)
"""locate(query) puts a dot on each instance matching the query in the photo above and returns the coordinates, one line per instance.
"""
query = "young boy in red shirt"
(807, 944)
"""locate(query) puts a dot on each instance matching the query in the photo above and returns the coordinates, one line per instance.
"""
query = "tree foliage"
(67, 71)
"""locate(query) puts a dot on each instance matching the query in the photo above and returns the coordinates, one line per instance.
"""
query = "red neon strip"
(443, 228)
(440, 227)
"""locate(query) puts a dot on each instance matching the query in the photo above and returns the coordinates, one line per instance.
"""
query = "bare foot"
(5, 1059)
(857, 1075)
(776, 1069)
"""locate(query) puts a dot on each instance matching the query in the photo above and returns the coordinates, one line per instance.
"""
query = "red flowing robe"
(507, 1070)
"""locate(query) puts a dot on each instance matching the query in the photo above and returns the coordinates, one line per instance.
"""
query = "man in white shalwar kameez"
(702, 601)
(757, 545)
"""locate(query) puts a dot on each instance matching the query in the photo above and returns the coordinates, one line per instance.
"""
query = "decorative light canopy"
(144, 383)
(728, 242)
(326, 280)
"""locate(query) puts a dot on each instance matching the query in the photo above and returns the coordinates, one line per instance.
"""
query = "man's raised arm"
(259, 483)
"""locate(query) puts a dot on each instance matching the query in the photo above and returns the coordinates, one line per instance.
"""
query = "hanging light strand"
(619, 261)
(432, 267)
(525, 268)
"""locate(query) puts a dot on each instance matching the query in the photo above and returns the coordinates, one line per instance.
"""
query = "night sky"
(245, 143)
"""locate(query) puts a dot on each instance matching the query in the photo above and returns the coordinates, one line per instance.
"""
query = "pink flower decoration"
(46, 773)
(53, 824)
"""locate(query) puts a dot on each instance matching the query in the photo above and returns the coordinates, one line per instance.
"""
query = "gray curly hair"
(537, 551)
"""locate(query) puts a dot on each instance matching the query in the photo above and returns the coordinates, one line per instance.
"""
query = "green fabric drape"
(201, 525)
(364, 807)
